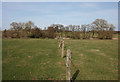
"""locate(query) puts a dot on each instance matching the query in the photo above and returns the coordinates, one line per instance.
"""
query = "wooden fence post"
(68, 64)
(60, 43)
(62, 53)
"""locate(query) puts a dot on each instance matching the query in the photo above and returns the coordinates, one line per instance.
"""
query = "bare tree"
(102, 27)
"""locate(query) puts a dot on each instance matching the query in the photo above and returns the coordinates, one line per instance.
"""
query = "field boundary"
(68, 61)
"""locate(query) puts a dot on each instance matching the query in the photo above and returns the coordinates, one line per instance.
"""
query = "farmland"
(39, 59)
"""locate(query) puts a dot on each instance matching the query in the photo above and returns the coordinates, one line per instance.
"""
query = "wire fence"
(69, 63)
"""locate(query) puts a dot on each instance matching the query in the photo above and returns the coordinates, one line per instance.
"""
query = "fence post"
(60, 43)
(68, 64)
(62, 55)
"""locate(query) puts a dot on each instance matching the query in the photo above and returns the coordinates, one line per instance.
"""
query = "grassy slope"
(40, 59)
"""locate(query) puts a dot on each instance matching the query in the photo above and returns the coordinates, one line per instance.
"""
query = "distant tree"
(15, 29)
(99, 25)
(93, 29)
(28, 26)
(15, 26)
(83, 27)
(102, 27)
(57, 27)
(4, 34)
(36, 32)
(88, 29)
(110, 31)
(98, 28)
(50, 32)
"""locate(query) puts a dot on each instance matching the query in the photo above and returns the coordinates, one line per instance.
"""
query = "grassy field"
(39, 59)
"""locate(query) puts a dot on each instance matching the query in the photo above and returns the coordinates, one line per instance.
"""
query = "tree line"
(99, 28)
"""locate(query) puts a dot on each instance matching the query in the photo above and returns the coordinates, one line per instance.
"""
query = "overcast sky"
(44, 14)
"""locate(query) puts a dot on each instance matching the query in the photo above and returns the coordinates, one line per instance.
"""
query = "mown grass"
(39, 59)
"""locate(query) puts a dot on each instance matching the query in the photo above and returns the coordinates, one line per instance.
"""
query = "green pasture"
(39, 59)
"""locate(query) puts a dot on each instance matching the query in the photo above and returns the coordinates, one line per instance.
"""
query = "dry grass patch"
(94, 50)
(102, 54)
(81, 54)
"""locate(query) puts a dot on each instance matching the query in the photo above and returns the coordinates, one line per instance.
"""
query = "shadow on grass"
(64, 56)
(75, 76)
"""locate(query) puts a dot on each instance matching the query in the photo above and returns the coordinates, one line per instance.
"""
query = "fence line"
(62, 54)
(68, 61)
(61, 46)
(68, 65)
(60, 43)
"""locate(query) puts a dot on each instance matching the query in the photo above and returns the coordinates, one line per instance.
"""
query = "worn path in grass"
(35, 59)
